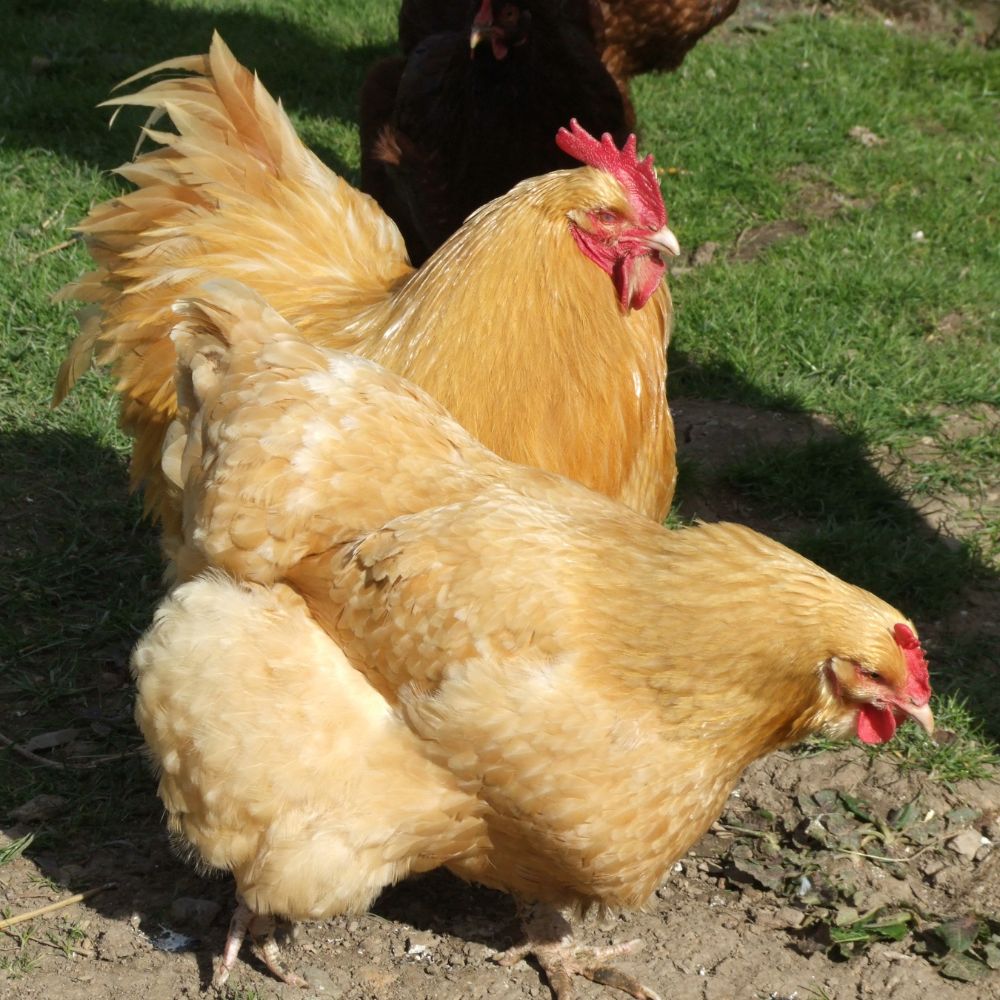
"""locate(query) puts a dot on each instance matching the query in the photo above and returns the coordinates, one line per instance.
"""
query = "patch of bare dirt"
(829, 873)
(948, 327)
(816, 196)
(975, 22)
(813, 199)
(713, 434)
(754, 240)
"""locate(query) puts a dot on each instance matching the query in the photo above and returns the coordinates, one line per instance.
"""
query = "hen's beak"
(479, 33)
(664, 243)
(921, 714)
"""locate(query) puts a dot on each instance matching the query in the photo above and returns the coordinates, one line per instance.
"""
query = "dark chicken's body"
(449, 127)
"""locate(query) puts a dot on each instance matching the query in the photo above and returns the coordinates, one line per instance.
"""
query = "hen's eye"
(872, 675)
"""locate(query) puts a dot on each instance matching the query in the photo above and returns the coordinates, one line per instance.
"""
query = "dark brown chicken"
(643, 36)
(632, 36)
(472, 108)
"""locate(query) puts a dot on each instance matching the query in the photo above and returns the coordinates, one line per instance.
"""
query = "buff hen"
(494, 669)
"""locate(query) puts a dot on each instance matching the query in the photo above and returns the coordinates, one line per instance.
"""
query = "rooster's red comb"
(918, 685)
(637, 177)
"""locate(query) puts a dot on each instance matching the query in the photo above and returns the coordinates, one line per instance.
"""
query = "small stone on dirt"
(419, 943)
(789, 916)
(966, 844)
(41, 807)
(115, 942)
(46, 741)
(331, 982)
(948, 877)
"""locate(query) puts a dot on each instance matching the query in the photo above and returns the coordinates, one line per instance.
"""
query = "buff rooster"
(542, 324)
(392, 649)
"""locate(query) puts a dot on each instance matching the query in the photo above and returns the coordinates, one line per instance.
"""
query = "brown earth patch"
(754, 240)
(976, 22)
(713, 434)
(805, 841)
(952, 513)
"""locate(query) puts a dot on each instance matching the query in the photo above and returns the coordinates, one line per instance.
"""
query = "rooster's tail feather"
(233, 193)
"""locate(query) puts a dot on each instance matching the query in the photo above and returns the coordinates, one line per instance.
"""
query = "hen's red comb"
(637, 177)
(918, 684)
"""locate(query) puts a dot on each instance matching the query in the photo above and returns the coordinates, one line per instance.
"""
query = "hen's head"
(882, 687)
(503, 23)
(624, 230)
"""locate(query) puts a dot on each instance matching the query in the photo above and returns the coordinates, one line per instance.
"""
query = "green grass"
(855, 320)
(967, 755)
(839, 321)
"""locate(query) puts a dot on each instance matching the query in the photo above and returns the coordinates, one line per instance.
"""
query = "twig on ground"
(68, 901)
(58, 765)
(879, 857)
(55, 249)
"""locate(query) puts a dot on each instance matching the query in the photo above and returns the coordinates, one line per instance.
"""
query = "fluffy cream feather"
(267, 742)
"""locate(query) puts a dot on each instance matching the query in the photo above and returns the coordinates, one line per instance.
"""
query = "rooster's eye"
(607, 218)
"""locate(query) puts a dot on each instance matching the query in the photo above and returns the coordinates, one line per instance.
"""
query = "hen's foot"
(261, 929)
(551, 943)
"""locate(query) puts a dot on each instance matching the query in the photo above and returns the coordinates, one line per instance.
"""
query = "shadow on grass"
(768, 464)
(62, 59)
(82, 577)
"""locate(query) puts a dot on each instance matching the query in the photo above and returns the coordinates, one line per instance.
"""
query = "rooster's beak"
(664, 243)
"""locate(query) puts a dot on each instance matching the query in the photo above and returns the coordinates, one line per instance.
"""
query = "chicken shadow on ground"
(84, 576)
(66, 58)
(795, 477)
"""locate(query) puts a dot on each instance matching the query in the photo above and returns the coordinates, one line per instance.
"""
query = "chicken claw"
(550, 942)
(261, 929)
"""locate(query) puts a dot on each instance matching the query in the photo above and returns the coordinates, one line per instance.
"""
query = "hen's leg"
(550, 941)
(261, 929)
(237, 932)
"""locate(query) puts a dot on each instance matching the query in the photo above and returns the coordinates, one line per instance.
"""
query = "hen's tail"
(226, 327)
(232, 194)
(223, 336)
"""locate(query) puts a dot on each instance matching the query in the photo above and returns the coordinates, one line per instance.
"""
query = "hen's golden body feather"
(223, 695)
(509, 326)
(582, 688)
